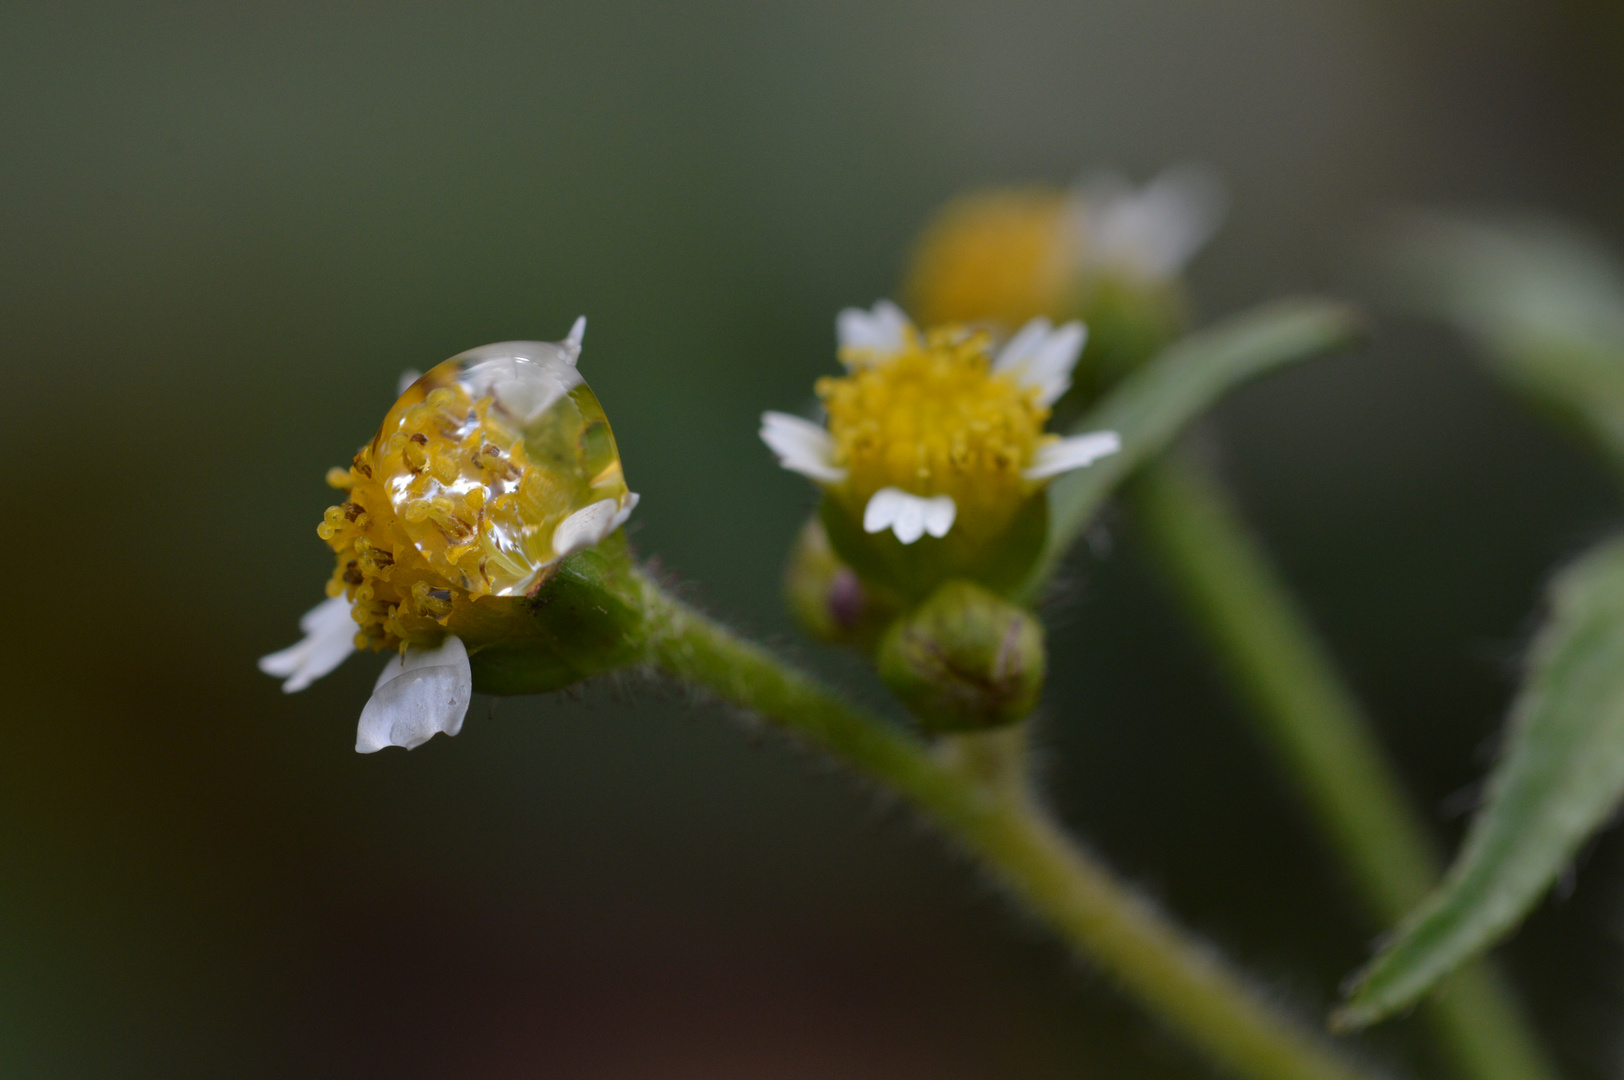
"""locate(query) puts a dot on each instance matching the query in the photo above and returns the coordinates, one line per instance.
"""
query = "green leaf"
(1153, 405)
(1559, 780)
(1544, 304)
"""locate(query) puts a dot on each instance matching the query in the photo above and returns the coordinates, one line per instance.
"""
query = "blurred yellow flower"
(994, 256)
(1005, 256)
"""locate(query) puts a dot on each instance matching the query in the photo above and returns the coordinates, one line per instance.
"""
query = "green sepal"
(586, 619)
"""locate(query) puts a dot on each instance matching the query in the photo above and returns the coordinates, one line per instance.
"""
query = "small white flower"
(1073, 452)
(872, 337)
(908, 516)
(1043, 357)
(420, 693)
(801, 446)
(329, 638)
(1152, 231)
(591, 524)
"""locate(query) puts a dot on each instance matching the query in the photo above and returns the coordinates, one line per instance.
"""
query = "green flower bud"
(965, 660)
(828, 599)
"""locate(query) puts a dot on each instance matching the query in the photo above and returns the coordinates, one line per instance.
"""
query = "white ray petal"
(1018, 349)
(940, 514)
(419, 694)
(591, 524)
(866, 338)
(407, 377)
(625, 511)
(908, 516)
(801, 446)
(1043, 357)
(1073, 452)
(571, 345)
(329, 638)
(1156, 229)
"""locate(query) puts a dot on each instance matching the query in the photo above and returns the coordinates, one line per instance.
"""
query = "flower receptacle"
(965, 660)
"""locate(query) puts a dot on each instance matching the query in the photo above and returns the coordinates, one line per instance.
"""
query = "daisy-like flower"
(936, 435)
(488, 471)
(1004, 257)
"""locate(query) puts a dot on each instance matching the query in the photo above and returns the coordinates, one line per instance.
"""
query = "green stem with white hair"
(992, 816)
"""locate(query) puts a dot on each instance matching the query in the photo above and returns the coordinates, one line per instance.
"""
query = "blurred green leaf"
(1559, 780)
(1544, 303)
(1153, 405)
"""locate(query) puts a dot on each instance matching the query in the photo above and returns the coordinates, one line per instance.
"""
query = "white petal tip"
(873, 336)
(1043, 356)
(591, 525)
(1156, 229)
(908, 516)
(329, 639)
(1073, 452)
(420, 693)
(572, 340)
(801, 446)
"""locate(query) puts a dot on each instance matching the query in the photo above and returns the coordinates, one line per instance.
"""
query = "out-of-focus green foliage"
(1545, 308)
(1152, 406)
(1558, 781)
(1543, 303)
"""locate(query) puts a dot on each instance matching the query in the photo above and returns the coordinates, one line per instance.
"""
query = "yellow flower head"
(488, 471)
(1005, 256)
(937, 433)
(936, 420)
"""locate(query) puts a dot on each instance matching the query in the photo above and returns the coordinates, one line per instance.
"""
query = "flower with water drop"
(1102, 250)
(489, 470)
(934, 459)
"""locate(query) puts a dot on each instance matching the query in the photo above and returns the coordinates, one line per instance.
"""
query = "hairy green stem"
(1176, 977)
(1323, 742)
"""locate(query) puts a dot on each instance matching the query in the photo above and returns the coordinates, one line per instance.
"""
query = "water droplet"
(486, 454)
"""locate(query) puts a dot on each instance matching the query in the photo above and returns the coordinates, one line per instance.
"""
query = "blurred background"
(225, 229)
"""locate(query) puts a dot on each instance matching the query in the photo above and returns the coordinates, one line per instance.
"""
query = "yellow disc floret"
(396, 596)
(936, 420)
(1001, 257)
